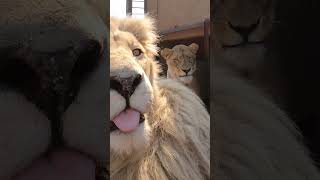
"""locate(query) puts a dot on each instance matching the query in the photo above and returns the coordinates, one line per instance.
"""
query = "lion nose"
(125, 86)
(245, 31)
(186, 71)
(48, 78)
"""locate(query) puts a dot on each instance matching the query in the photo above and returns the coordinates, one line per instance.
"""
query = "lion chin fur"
(178, 144)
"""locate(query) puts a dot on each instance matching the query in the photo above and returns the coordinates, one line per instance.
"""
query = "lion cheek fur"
(24, 135)
(142, 98)
(82, 122)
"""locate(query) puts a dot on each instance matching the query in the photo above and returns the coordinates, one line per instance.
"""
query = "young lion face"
(132, 75)
(181, 61)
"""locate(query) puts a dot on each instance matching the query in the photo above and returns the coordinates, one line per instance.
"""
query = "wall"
(174, 13)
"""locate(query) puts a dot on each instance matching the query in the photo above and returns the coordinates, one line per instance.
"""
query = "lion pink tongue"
(127, 120)
(60, 165)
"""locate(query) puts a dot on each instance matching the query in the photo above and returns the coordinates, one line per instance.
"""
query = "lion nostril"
(115, 85)
(186, 71)
(136, 81)
(125, 86)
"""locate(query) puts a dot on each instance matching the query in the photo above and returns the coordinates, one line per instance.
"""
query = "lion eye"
(137, 52)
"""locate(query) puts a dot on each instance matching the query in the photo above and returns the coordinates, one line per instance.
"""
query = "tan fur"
(180, 58)
(176, 128)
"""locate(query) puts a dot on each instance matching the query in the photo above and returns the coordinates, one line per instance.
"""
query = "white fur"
(253, 138)
(117, 104)
(84, 123)
(142, 97)
(186, 79)
(126, 143)
(24, 133)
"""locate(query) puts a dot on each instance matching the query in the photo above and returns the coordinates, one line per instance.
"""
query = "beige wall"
(174, 13)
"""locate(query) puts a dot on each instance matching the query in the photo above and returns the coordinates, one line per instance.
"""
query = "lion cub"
(181, 61)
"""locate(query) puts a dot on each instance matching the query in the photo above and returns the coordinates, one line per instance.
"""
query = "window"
(121, 8)
(118, 8)
(138, 8)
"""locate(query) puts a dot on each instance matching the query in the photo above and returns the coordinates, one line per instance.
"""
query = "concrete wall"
(174, 13)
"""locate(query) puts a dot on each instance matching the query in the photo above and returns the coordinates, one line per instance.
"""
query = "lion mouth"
(127, 121)
(243, 44)
(184, 76)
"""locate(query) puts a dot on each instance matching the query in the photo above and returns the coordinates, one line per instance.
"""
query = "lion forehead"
(183, 55)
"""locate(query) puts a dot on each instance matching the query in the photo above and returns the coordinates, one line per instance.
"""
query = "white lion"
(159, 128)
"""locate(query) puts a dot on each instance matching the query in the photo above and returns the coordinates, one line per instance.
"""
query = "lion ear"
(194, 47)
(166, 53)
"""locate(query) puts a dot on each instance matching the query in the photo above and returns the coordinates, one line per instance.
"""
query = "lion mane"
(178, 123)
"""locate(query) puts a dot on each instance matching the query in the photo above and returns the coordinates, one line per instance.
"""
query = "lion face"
(132, 82)
(181, 61)
(52, 88)
(240, 29)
